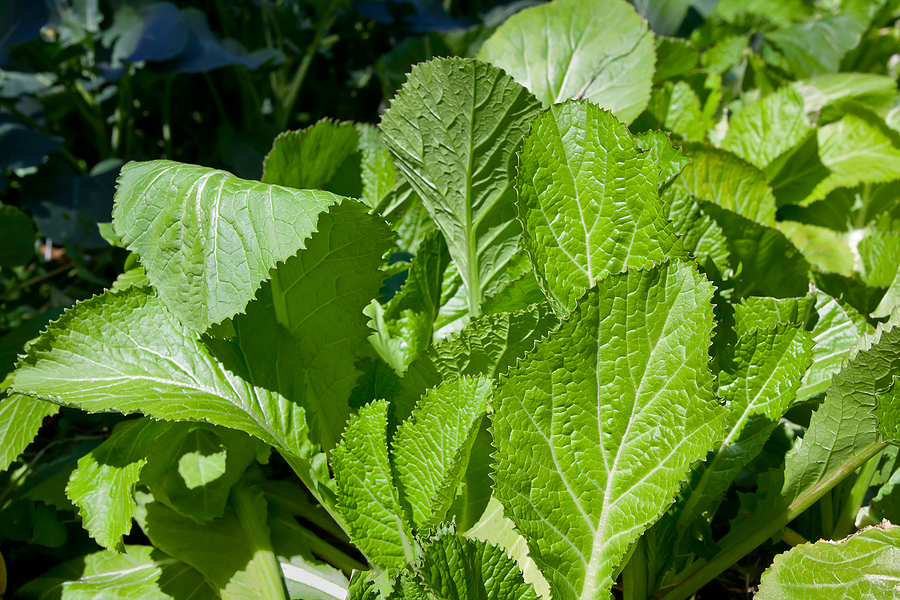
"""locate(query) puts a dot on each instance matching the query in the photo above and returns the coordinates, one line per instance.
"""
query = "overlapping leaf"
(583, 462)
(588, 201)
(206, 238)
(455, 150)
(602, 52)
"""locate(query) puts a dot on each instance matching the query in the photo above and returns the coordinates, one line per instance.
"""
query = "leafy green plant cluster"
(648, 329)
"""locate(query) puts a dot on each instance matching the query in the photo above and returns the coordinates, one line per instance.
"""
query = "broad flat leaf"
(123, 352)
(226, 551)
(801, 174)
(142, 572)
(728, 181)
(583, 465)
(857, 149)
(864, 566)
(724, 54)
(310, 158)
(600, 51)
(842, 433)
(206, 238)
(378, 173)
(319, 296)
(886, 411)
(588, 201)
(767, 263)
(367, 497)
(765, 312)
(837, 331)
(102, 487)
(823, 248)
(877, 91)
(890, 300)
(677, 108)
(817, 46)
(674, 57)
(20, 419)
(459, 568)
(768, 129)
(18, 234)
(431, 449)
(758, 381)
(491, 344)
(455, 150)
(880, 257)
(701, 237)
(497, 529)
(664, 16)
(202, 471)
(520, 293)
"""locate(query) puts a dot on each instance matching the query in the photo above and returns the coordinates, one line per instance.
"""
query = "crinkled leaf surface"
(367, 497)
(588, 201)
(863, 567)
(453, 129)
(887, 411)
(584, 462)
(124, 352)
(600, 51)
(768, 129)
(102, 487)
(727, 181)
(670, 160)
(206, 238)
(459, 568)
(431, 449)
(20, 419)
(310, 158)
(491, 344)
(141, 572)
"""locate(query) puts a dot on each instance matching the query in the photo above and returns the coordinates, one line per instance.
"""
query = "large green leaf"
(600, 51)
(588, 201)
(455, 149)
(319, 296)
(823, 248)
(431, 449)
(817, 46)
(863, 566)
(460, 568)
(768, 129)
(728, 181)
(367, 497)
(141, 572)
(857, 149)
(877, 91)
(124, 352)
(206, 238)
(20, 419)
(583, 465)
(890, 300)
(880, 257)
(102, 487)
(310, 158)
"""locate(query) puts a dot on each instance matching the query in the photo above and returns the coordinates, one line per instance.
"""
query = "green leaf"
(801, 174)
(677, 108)
(123, 352)
(458, 568)
(767, 263)
(674, 57)
(227, 551)
(319, 296)
(201, 473)
(768, 129)
(141, 572)
(18, 234)
(310, 158)
(823, 248)
(726, 180)
(102, 487)
(431, 449)
(725, 54)
(817, 46)
(857, 149)
(20, 419)
(880, 257)
(379, 176)
(877, 91)
(669, 159)
(491, 344)
(886, 411)
(367, 497)
(758, 381)
(865, 565)
(206, 238)
(577, 49)
(455, 150)
(701, 237)
(588, 201)
(890, 300)
(632, 355)
(765, 312)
